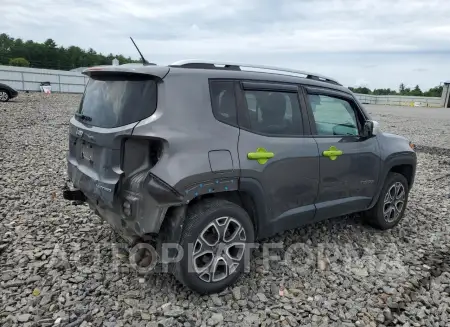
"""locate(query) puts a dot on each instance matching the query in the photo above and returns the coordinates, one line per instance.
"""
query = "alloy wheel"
(3, 96)
(219, 249)
(394, 202)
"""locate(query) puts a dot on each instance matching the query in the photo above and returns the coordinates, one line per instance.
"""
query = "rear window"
(223, 101)
(117, 100)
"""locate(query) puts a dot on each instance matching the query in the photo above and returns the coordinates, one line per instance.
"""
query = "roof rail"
(223, 65)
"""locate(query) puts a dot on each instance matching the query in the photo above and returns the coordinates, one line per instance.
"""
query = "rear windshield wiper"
(83, 117)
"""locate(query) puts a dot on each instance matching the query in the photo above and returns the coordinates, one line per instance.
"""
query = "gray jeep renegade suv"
(212, 156)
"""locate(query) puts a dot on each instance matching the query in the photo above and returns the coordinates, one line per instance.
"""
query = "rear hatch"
(115, 100)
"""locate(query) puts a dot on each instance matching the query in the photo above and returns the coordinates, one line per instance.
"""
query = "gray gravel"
(58, 267)
(427, 126)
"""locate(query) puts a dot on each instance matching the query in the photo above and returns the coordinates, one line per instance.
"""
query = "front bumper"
(148, 198)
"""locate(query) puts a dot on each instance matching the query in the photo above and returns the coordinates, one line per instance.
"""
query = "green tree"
(416, 91)
(360, 90)
(21, 62)
(51, 56)
(434, 92)
(403, 90)
(384, 92)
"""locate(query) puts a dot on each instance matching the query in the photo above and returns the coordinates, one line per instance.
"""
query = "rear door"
(349, 162)
(276, 156)
(113, 103)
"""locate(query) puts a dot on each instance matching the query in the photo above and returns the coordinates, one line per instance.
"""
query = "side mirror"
(371, 128)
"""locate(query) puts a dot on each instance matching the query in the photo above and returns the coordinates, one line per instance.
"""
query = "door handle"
(332, 153)
(261, 155)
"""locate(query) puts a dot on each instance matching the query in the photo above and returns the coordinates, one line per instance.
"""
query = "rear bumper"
(147, 198)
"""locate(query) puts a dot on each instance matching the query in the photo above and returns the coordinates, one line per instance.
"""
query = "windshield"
(117, 100)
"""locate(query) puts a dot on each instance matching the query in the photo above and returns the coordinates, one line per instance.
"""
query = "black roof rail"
(221, 65)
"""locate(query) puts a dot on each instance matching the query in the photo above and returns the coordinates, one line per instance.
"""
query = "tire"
(392, 200)
(209, 219)
(4, 96)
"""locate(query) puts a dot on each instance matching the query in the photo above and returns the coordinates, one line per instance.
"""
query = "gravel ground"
(427, 126)
(58, 267)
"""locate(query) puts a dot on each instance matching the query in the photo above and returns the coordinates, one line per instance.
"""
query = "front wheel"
(215, 241)
(391, 205)
(4, 96)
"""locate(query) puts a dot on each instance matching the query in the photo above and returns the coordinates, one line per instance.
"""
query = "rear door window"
(117, 100)
(273, 113)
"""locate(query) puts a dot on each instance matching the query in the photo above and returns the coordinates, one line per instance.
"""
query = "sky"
(373, 43)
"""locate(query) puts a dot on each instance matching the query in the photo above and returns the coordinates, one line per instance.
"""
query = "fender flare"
(254, 189)
(393, 160)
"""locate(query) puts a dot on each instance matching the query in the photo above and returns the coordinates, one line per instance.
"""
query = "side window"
(223, 101)
(333, 116)
(273, 113)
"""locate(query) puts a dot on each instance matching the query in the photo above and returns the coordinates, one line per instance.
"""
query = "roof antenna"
(144, 61)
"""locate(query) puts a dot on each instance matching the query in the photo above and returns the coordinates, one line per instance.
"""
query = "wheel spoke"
(399, 206)
(398, 187)
(235, 251)
(206, 276)
(203, 261)
(221, 225)
(219, 269)
(202, 256)
(400, 194)
(389, 196)
(388, 213)
(234, 232)
(210, 235)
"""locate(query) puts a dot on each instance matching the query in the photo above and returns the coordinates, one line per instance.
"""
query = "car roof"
(254, 75)
(275, 75)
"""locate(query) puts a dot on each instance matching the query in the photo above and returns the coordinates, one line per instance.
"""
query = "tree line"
(48, 55)
(402, 90)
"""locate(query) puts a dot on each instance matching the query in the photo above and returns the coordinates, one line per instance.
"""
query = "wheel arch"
(6, 90)
(249, 195)
(401, 163)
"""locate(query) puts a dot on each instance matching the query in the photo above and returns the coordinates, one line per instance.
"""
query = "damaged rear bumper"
(134, 208)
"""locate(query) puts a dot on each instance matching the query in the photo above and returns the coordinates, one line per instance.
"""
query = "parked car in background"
(7, 93)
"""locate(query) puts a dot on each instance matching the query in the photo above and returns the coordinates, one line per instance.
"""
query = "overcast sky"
(375, 43)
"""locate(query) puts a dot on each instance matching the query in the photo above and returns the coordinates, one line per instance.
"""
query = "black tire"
(4, 96)
(200, 216)
(376, 216)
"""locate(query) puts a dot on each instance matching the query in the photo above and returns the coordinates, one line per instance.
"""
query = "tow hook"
(73, 194)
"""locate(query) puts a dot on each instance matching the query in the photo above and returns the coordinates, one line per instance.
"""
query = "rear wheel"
(4, 96)
(215, 243)
(391, 205)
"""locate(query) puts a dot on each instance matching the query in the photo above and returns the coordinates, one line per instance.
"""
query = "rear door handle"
(261, 155)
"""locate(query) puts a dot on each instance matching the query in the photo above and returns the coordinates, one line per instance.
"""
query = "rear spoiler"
(158, 71)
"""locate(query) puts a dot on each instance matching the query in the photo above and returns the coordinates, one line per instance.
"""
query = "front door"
(349, 162)
(275, 154)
